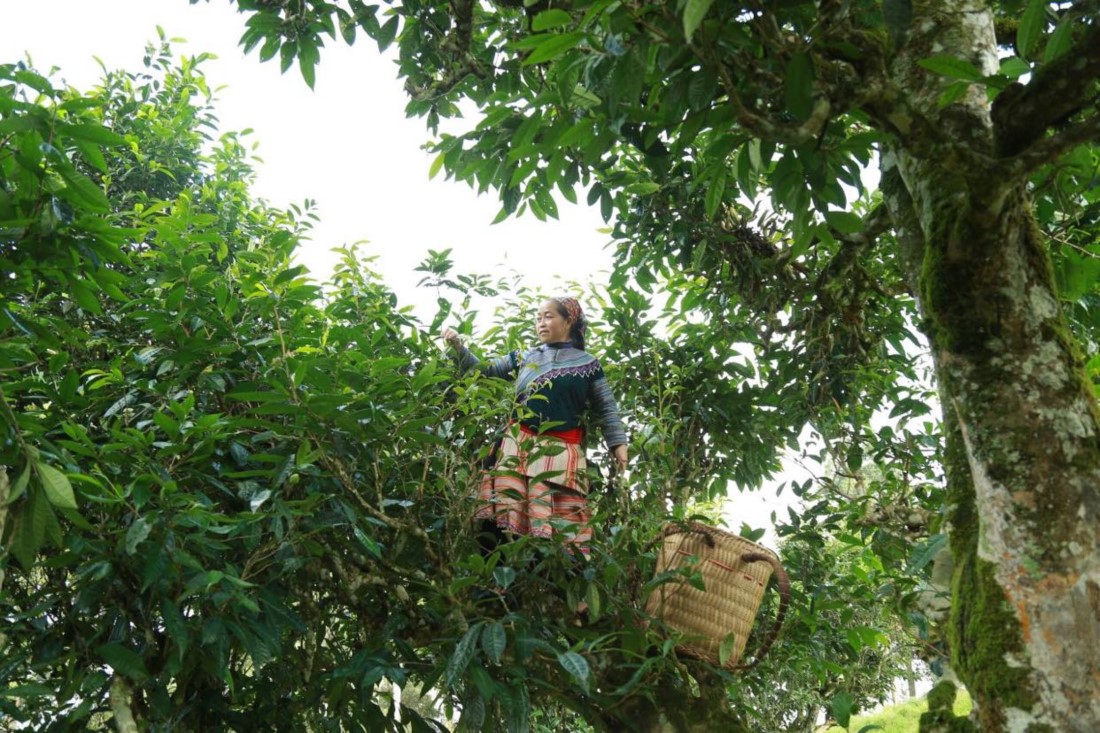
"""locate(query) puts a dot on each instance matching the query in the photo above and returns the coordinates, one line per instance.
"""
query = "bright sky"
(347, 145)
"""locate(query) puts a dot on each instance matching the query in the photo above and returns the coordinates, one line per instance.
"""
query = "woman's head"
(561, 319)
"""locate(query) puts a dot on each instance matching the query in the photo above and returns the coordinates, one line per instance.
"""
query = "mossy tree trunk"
(1023, 430)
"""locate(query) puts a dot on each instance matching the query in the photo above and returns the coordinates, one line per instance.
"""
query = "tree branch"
(457, 46)
(121, 707)
(1057, 91)
(1049, 149)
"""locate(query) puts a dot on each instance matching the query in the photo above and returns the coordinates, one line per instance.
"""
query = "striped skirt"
(537, 488)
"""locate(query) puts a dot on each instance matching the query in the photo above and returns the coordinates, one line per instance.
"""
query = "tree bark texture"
(1021, 419)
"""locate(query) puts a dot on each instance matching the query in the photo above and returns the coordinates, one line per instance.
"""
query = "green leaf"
(842, 707)
(29, 690)
(1060, 41)
(387, 33)
(854, 458)
(1014, 67)
(136, 534)
(953, 93)
(175, 624)
(58, 489)
(347, 26)
(493, 641)
(371, 546)
(93, 155)
(437, 165)
(897, 15)
(798, 86)
(124, 660)
(80, 190)
(1077, 275)
(694, 13)
(92, 132)
(20, 486)
(844, 222)
(504, 576)
(592, 598)
(473, 713)
(725, 651)
(84, 296)
(576, 666)
(952, 67)
(308, 66)
(550, 45)
(716, 191)
(518, 710)
(463, 653)
(921, 558)
(643, 188)
(554, 18)
(40, 514)
(287, 53)
(1031, 27)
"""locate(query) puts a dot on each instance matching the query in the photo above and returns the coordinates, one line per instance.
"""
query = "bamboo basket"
(735, 574)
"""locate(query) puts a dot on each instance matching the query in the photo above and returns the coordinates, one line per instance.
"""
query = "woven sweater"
(555, 384)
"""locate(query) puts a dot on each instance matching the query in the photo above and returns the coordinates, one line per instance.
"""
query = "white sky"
(347, 145)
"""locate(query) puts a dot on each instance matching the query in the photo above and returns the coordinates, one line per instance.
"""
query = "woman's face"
(550, 324)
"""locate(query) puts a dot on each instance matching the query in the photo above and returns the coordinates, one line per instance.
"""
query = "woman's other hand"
(451, 338)
(620, 457)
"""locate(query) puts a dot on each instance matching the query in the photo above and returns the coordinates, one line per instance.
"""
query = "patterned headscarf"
(574, 313)
(571, 307)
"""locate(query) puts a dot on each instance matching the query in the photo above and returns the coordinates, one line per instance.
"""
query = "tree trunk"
(1022, 425)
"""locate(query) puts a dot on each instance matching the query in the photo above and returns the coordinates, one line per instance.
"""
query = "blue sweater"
(555, 384)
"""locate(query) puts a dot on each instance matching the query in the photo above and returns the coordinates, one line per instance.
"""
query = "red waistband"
(571, 435)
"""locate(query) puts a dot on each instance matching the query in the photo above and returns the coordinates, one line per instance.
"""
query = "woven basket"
(735, 574)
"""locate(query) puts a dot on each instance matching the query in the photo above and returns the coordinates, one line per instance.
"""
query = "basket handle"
(784, 584)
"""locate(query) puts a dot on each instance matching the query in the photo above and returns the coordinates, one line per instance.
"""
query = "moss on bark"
(983, 632)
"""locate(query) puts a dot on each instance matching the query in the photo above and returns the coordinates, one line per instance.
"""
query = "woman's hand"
(451, 338)
(620, 457)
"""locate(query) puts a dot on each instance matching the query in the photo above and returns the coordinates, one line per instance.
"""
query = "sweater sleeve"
(606, 412)
(501, 367)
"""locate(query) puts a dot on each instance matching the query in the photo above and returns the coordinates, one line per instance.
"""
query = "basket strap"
(784, 584)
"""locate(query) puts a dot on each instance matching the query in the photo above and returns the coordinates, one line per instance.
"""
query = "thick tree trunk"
(1022, 422)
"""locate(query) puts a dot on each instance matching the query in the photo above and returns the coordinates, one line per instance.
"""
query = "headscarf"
(574, 314)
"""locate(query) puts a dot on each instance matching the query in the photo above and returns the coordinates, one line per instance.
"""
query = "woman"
(540, 470)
